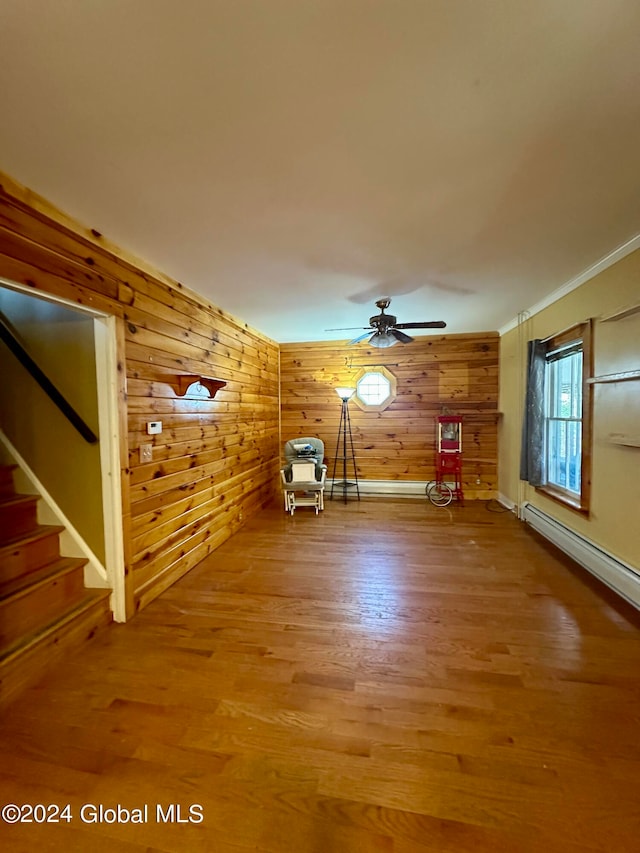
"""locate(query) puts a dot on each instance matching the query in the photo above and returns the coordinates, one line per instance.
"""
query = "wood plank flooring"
(387, 676)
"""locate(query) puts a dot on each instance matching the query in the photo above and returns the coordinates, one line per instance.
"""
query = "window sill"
(560, 497)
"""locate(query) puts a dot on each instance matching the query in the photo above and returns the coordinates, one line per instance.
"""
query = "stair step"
(27, 661)
(18, 516)
(29, 552)
(6, 481)
(29, 602)
(45, 610)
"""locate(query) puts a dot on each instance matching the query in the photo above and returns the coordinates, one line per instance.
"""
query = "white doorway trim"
(108, 427)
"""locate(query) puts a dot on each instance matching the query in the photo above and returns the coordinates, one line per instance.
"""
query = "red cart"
(448, 482)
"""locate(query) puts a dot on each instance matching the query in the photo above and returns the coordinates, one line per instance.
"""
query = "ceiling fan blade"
(404, 339)
(347, 329)
(434, 324)
(359, 338)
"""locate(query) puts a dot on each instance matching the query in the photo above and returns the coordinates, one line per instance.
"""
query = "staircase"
(45, 608)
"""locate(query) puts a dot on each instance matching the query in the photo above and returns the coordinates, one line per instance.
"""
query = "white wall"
(614, 520)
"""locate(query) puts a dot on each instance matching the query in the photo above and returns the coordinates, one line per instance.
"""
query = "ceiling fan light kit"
(384, 330)
(381, 340)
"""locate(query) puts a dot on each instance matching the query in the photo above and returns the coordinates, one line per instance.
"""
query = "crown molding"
(592, 271)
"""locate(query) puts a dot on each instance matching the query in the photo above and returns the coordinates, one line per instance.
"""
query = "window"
(556, 429)
(567, 416)
(563, 420)
(375, 389)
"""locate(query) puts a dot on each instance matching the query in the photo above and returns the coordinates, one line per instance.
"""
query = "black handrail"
(7, 335)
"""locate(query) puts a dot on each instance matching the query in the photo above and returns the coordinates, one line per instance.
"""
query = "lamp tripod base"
(346, 458)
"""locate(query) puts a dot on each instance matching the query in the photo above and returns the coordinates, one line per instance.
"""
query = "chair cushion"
(303, 472)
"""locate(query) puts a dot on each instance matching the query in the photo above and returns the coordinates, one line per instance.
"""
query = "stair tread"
(91, 598)
(46, 573)
(38, 532)
(16, 500)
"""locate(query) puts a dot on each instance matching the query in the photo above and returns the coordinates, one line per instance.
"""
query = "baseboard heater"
(394, 488)
(619, 576)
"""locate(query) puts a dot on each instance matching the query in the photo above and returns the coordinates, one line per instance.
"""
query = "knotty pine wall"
(216, 461)
(435, 375)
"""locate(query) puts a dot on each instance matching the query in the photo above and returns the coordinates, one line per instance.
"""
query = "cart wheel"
(429, 486)
(439, 494)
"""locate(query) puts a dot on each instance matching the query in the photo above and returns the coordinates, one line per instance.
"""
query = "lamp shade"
(345, 393)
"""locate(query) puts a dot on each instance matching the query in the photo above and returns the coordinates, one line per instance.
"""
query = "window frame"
(577, 338)
(375, 407)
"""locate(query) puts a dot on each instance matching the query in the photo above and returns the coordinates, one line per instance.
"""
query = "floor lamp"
(347, 455)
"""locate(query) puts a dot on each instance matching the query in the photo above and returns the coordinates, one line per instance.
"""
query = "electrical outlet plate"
(146, 453)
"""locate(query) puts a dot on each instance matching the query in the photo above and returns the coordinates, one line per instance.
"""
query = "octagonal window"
(375, 389)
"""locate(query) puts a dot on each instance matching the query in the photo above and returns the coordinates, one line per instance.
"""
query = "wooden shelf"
(621, 313)
(625, 440)
(184, 381)
(471, 417)
(625, 376)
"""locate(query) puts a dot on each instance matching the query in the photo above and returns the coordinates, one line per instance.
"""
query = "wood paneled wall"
(435, 375)
(215, 461)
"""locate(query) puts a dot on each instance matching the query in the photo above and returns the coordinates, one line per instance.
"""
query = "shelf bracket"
(184, 381)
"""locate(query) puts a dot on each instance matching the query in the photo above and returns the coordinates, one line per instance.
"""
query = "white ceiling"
(294, 160)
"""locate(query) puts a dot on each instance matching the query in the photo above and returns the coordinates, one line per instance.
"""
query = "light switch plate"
(146, 453)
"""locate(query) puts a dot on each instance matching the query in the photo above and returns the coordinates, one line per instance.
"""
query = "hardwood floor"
(387, 676)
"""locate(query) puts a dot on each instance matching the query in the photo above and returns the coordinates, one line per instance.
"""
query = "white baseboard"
(506, 502)
(401, 488)
(394, 488)
(616, 574)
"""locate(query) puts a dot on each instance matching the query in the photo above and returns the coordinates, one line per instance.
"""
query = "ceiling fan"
(385, 331)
